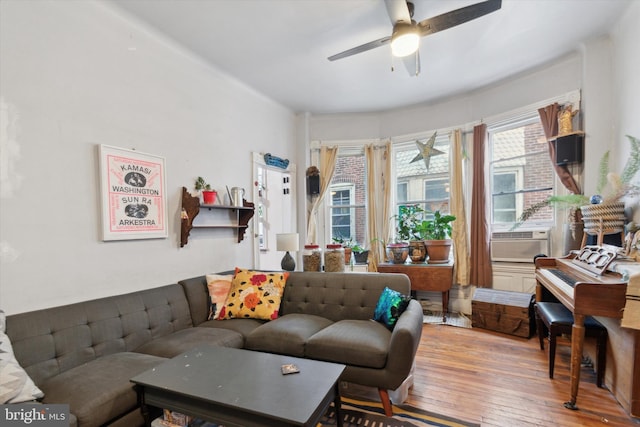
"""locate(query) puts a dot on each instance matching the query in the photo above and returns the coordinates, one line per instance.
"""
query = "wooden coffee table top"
(232, 386)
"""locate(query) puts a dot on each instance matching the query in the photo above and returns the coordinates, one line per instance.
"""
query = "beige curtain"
(327, 166)
(378, 160)
(459, 226)
(549, 119)
(480, 260)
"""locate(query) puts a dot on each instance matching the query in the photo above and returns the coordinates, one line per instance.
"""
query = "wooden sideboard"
(426, 277)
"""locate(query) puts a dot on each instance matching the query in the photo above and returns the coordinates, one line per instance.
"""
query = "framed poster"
(133, 194)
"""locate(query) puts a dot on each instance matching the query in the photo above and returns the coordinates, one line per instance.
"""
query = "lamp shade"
(287, 242)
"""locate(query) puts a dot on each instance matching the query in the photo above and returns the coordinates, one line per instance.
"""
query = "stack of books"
(176, 419)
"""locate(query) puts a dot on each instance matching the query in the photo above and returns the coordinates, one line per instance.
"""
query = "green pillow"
(390, 306)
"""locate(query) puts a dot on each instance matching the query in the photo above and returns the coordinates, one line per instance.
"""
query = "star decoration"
(426, 151)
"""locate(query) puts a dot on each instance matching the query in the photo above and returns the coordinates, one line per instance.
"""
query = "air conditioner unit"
(520, 245)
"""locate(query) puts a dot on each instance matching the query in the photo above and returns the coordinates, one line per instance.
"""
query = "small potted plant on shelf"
(208, 194)
(437, 233)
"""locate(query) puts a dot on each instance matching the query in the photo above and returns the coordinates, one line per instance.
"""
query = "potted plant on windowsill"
(208, 194)
(408, 223)
(360, 254)
(417, 224)
(436, 234)
(347, 245)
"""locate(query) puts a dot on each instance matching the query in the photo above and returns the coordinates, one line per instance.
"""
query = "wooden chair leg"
(552, 352)
(540, 328)
(386, 402)
(601, 358)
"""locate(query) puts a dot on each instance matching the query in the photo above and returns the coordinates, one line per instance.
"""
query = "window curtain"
(549, 120)
(378, 161)
(459, 226)
(327, 162)
(480, 260)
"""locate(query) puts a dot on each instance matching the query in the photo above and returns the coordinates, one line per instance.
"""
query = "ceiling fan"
(406, 34)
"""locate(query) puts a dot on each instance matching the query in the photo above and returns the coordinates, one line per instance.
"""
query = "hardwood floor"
(496, 379)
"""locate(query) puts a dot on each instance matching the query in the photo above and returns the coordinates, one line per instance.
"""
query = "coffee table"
(241, 388)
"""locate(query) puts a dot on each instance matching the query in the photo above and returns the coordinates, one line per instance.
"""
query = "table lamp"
(287, 242)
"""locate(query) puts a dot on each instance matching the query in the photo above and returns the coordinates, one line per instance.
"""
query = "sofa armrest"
(404, 341)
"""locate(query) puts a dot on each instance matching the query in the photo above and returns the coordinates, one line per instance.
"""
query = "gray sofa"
(84, 354)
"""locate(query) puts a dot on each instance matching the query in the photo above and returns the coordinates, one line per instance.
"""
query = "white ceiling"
(280, 47)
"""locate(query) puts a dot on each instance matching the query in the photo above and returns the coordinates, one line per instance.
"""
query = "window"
(341, 215)
(521, 173)
(347, 201)
(417, 185)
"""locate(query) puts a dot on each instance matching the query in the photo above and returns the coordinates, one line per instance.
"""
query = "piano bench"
(558, 320)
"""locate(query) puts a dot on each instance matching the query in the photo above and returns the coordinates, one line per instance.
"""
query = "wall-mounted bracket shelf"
(191, 207)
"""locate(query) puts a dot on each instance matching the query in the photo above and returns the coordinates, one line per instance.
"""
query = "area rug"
(365, 413)
(356, 413)
(453, 319)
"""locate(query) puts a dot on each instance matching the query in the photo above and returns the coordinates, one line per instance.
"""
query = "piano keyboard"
(550, 275)
(564, 276)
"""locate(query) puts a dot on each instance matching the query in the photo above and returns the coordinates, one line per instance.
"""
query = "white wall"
(68, 82)
(626, 89)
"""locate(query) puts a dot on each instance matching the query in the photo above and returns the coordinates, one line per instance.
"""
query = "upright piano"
(584, 285)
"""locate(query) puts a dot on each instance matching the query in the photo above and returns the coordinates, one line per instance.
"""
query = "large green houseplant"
(436, 233)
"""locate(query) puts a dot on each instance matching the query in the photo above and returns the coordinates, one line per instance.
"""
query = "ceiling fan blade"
(412, 63)
(362, 48)
(398, 11)
(458, 16)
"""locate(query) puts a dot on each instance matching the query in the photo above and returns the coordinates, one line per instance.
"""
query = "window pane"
(437, 195)
(402, 192)
(341, 197)
(348, 199)
(504, 182)
(521, 172)
(419, 185)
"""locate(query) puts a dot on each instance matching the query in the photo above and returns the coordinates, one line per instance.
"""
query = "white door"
(273, 195)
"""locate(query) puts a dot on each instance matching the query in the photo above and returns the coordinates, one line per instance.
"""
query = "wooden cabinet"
(425, 277)
(191, 207)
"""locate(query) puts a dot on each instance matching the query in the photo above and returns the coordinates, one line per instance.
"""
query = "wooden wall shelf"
(191, 208)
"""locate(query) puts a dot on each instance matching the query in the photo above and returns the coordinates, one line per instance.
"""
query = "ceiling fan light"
(405, 40)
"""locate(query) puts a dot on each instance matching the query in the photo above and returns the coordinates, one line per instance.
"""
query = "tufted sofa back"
(50, 341)
(335, 296)
(338, 296)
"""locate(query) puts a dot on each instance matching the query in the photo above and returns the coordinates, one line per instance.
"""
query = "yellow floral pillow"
(254, 295)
